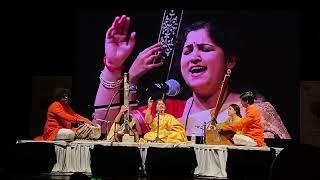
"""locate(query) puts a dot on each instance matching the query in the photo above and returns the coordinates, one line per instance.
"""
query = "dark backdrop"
(68, 41)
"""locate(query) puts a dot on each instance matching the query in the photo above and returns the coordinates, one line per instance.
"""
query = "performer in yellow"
(170, 129)
(234, 116)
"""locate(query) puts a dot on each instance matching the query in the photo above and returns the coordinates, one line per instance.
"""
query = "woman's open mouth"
(197, 70)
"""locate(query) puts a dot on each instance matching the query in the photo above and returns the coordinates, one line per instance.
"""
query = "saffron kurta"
(58, 116)
(250, 125)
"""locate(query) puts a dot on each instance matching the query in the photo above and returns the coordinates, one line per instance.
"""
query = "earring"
(228, 71)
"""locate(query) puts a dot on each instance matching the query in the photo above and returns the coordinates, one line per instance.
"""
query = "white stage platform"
(75, 156)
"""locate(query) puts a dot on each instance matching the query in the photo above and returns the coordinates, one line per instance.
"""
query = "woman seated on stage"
(117, 127)
(234, 116)
(60, 117)
(250, 125)
(170, 129)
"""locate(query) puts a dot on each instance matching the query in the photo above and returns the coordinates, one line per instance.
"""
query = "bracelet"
(110, 84)
(111, 69)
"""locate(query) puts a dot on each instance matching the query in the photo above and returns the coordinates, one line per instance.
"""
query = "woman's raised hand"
(117, 48)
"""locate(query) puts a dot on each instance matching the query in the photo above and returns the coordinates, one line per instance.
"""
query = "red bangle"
(111, 69)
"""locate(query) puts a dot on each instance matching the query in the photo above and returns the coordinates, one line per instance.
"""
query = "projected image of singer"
(170, 130)
(207, 49)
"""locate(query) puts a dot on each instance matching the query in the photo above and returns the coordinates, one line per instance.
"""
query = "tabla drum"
(88, 131)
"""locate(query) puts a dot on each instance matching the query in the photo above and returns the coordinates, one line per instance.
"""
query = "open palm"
(117, 48)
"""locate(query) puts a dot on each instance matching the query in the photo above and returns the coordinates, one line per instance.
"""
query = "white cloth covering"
(212, 159)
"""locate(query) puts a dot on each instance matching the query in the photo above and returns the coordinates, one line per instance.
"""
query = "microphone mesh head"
(174, 87)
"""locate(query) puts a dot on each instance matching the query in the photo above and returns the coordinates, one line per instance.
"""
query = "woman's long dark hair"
(237, 109)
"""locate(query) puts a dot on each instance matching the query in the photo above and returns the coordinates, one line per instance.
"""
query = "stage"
(211, 160)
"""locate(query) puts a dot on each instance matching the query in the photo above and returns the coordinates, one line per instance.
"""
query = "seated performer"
(60, 117)
(250, 125)
(234, 116)
(170, 129)
(117, 129)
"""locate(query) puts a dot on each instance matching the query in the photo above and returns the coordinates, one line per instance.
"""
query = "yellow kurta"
(229, 121)
(170, 130)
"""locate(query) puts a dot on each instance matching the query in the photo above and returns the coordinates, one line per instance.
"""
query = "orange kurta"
(58, 116)
(250, 125)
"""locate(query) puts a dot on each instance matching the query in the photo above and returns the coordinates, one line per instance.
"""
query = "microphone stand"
(158, 140)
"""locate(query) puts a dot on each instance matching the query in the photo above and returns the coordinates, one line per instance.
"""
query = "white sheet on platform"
(75, 156)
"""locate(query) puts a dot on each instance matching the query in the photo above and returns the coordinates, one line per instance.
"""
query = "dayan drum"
(88, 131)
